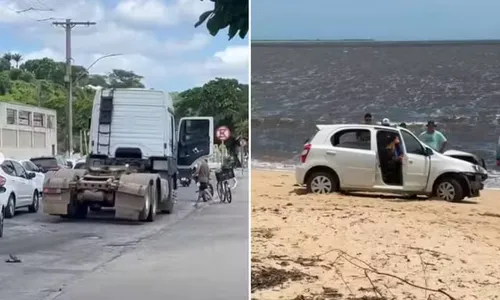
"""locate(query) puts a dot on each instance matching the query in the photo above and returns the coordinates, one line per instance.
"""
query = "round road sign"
(223, 133)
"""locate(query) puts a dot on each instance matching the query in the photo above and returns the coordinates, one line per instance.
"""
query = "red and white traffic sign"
(223, 133)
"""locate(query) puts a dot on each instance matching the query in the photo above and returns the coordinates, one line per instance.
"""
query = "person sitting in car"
(391, 158)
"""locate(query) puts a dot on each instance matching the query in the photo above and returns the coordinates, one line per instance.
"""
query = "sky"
(156, 38)
(375, 19)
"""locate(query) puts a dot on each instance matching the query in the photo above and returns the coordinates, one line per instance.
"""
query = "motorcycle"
(185, 182)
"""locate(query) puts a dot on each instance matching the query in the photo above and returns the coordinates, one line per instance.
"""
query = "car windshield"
(45, 162)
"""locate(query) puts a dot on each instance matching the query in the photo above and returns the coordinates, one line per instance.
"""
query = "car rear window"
(45, 162)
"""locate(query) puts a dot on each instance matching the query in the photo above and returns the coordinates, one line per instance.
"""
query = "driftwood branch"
(367, 268)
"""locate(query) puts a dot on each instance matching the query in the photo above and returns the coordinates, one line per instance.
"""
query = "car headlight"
(478, 169)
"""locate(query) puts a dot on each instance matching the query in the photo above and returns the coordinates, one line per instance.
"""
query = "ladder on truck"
(104, 126)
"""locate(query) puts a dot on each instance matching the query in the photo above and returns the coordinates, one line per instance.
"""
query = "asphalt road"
(190, 254)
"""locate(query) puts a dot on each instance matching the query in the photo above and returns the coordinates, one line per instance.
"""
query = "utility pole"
(68, 25)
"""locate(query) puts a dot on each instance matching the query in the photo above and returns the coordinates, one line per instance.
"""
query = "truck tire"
(77, 211)
(449, 189)
(168, 206)
(149, 198)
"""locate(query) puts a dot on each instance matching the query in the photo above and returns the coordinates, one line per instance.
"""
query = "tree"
(41, 82)
(121, 78)
(232, 13)
(224, 99)
(17, 58)
(4, 64)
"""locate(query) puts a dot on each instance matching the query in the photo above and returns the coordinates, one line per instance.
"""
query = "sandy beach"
(371, 246)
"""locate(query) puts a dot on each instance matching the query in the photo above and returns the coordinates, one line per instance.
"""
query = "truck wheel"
(167, 205)
(152, 210)
(77, 211)
(449, 189)
(95, 208)
(321, 183)
(149, 198)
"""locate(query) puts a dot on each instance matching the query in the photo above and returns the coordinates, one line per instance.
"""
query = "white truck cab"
(347, 157)
(135, 154)
(139, 124)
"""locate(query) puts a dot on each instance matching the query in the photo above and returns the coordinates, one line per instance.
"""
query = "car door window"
(412, 145)
(8, 168)
(352, 139)
(20, 171)
(28, 166)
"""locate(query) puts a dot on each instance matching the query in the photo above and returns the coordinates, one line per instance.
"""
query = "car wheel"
(10, 210)
(321, 183)
(35, 204)
(449, 189)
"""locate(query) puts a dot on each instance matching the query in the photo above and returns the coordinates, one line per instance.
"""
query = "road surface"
(190, 254)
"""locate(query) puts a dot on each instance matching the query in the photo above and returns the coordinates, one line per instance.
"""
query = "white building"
(27, 131)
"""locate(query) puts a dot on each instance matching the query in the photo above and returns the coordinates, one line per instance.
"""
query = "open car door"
(195, 141)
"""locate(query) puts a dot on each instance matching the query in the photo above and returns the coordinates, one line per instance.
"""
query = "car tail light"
(51, 191)
(305, 152)
(3, 180)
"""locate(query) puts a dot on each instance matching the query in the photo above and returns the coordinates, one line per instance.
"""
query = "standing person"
(202, 174)
(368, 119)
(433, 138)
(365, 136)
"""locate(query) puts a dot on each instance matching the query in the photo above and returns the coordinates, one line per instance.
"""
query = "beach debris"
(12, 259)
(268, 277)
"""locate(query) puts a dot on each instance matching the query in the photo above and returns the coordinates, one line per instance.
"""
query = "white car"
(346, 157)
(17, 188)
(39, 175)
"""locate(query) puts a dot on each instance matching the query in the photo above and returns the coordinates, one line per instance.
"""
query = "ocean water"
(298, 85)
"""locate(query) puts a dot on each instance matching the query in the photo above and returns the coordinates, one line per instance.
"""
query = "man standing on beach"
(433, 138)
(368, 119)
(365, 136)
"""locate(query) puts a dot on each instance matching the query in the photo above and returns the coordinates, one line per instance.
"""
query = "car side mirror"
(31, 175)
(69, 164)
(428, 151)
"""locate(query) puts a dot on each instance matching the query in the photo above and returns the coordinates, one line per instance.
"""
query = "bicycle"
(223, 189)
(206, 195)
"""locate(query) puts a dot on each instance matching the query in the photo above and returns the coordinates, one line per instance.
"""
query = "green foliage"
(41, 82)
(226, 13)
(224, 99)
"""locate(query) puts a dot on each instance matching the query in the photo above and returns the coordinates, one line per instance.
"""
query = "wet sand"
(371, 246)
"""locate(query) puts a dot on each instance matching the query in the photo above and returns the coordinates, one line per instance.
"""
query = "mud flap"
(57, 193)
(130, 197)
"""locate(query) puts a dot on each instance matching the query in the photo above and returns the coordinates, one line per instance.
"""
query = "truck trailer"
(135, 156)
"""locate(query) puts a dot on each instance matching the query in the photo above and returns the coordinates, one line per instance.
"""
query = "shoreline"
(340, 246)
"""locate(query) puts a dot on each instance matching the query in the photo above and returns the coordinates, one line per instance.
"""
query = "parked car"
(346, 157)
(49, 163)
(39, 175)
(17, 188)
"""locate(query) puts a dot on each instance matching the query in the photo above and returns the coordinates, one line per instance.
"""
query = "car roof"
(360, 126)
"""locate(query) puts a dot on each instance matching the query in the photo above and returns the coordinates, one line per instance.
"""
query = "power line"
(68, 25)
